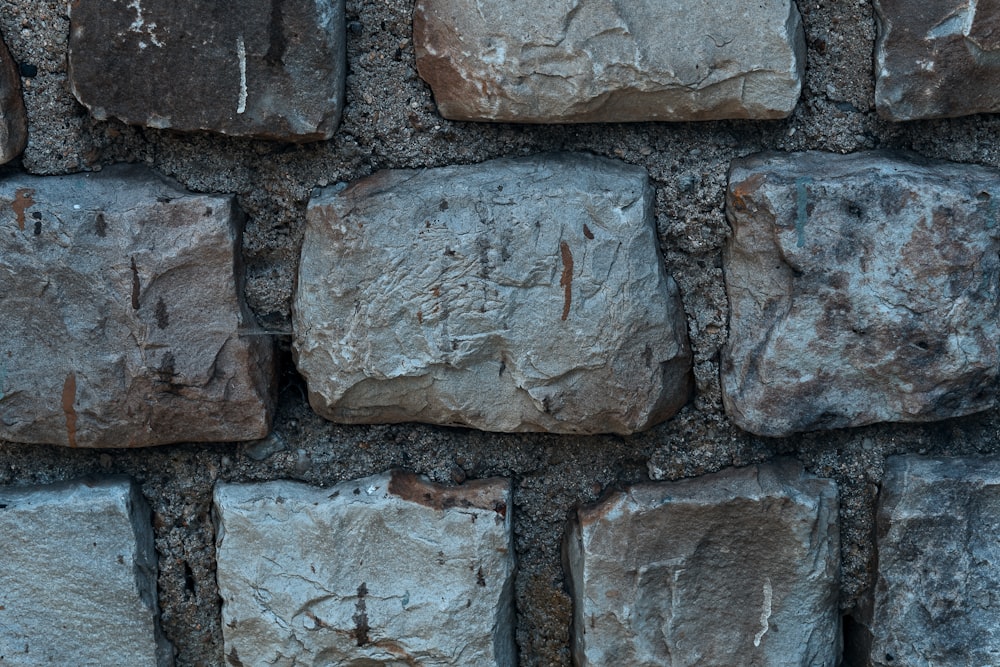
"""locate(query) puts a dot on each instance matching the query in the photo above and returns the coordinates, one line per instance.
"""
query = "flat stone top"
(76, 495)
(270, 70)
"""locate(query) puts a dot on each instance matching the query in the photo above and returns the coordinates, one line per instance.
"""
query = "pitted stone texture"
(514, 295)
(123, 321)
(386, 570)
(13, 118)
(273, 69)
(863, 288)
(78, 576)
(937, 59)
(738, 567)
(609, 61)
(938, 586)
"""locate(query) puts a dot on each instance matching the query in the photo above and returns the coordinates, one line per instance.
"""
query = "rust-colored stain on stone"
(23, 200)
(566, 281)
(485, 494)
(69, 407)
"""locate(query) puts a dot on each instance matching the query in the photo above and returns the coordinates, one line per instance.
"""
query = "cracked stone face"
(937, 59)
(863, 288)
(610, 61)
(274, 69)
(513, 295)
(386, 570)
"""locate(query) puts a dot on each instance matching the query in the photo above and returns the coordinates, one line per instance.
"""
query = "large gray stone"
(938, 590)
(123, 320)
(513, 295)
(386, 570)
(575, 61)
(863, 288)
(78, 577)
(272, 69)
(735, 568)
(937, 59)
(13, 117)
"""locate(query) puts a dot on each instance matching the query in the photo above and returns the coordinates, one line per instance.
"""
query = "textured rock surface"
(937, 59)
(602, 60)
(123, 318)
(514, 295)
(85, 596)
(274, 69)
(863, 288)
(13, 119)
(385, 570)
(938, 585)
(738, 567)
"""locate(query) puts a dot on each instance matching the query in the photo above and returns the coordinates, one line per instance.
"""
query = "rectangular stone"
(270, 69)
(610, 60)
(124, 323)
(863, 288)
(937, 59)
(78, 577)
(13, 117)
(513, 295)
(386, 570)
(734, 568)
(938, 586)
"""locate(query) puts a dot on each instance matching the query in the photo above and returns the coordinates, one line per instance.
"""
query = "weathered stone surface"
(13, 118)
(603, 60)
(274, 69)
(79, 596)
(734, 568)
(123, 322)
(937, 59)
(514, 295)
(938, 585)
(386, 570)
(863, 288)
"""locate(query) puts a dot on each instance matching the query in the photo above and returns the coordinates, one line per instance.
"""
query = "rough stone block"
(739, 567)
(937, 59)
(80, 596)
(609, 60)
(123, 320)
(938, 586)
(273, 69)
(863, 288)
(13, 117)
(386, 570)
(513, 295)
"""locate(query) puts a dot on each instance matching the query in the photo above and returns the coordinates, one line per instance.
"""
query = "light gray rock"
(78, 577)
(938, 587)
(577, 61)
(123, 319)
(513, 295)
(274, 69)
(734, 568)
(13, 117)
(863, 288)
(937, 60)
(386, 570)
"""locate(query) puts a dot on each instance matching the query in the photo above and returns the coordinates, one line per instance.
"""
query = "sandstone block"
(85, 596)
(514, 295)
(13, 117)
(863, 288)
(938, 586)
(274, 69)
(123, 320)
(386, 570)
(936, 60)
(610, 61)
(738, 567)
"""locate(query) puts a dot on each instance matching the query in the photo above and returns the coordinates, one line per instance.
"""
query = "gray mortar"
(390, 121)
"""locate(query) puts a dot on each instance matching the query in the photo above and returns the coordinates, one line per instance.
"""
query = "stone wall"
(438, 333)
